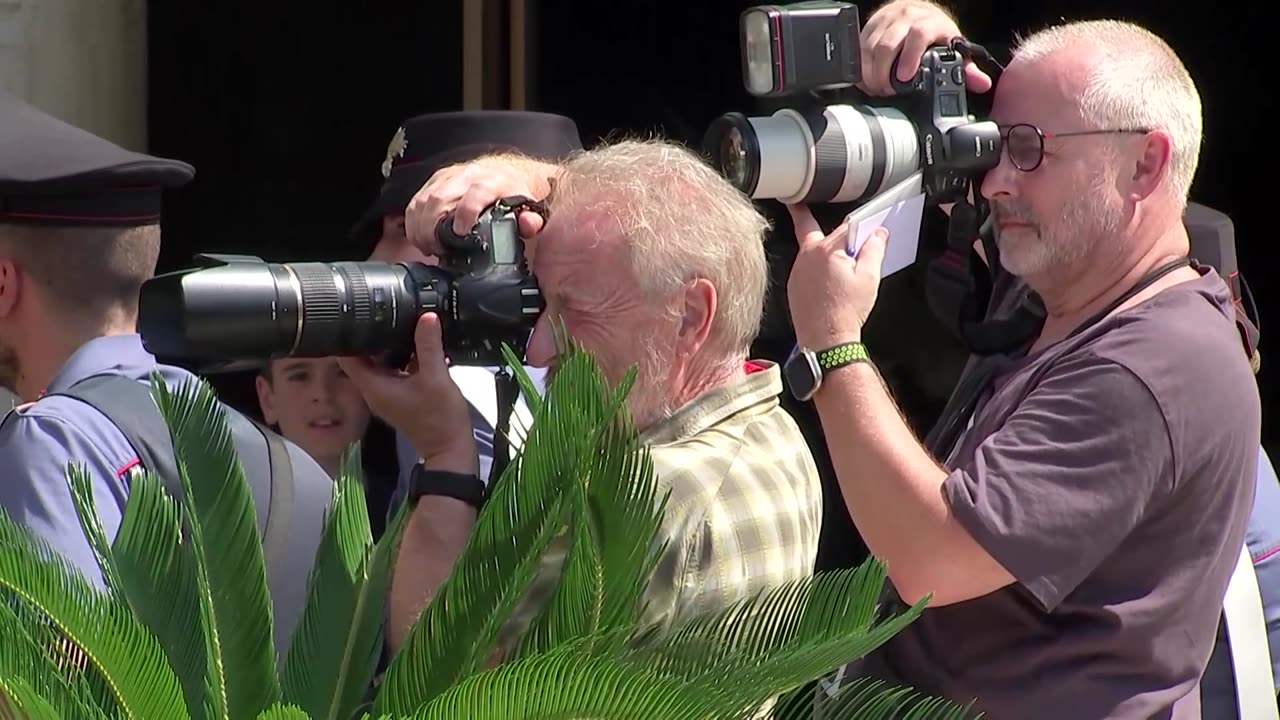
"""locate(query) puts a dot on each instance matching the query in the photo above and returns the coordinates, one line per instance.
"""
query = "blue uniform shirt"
(39, 441)
(1217, 687)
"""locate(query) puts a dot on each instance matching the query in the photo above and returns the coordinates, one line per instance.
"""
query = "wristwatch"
(805, 368)
(460, 486)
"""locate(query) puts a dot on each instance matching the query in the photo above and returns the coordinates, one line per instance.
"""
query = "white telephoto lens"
(848, 154)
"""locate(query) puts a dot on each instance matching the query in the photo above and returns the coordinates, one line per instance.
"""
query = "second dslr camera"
(844, 153)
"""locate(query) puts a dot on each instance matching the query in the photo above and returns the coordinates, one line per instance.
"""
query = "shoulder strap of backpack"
(128, 404)
(280, 510)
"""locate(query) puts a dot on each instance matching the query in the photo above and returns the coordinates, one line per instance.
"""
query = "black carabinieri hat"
(53, 173)
(427, 143)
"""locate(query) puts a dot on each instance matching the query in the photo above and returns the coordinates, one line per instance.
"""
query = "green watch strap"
(841, 355)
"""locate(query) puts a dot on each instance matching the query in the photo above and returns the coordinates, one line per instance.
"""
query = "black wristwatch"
(804, 369)
(461, 486)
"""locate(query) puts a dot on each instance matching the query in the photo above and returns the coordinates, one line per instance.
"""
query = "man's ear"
(1152, 165)
(698, 312)
(266, 400)
(10, 286)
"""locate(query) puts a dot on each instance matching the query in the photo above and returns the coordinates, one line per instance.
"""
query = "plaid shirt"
(745, 508)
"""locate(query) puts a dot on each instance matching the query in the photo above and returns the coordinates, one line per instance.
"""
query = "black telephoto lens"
(257, 310)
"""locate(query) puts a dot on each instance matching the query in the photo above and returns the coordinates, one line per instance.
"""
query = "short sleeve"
(35, 451)
(1067, 477)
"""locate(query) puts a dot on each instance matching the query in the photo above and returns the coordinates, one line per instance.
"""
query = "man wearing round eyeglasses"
(1077, 544)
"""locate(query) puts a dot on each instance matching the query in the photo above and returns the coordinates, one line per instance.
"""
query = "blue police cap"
(53, 173)
(424, 144)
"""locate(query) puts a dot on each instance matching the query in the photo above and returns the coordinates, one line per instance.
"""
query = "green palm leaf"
(455, 633)
(570, 682)
(30, 652)
(281, 711)
(121, 659)
(765, 646)
(614, 519)
(871, 698)
(156, 574)
(228, 549)
(20, 701)
(82, 500)
(336, 646)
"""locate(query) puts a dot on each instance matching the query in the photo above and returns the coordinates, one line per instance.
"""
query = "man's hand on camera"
(423, 402)
(907, 28)
(831, 294)
(466, 190)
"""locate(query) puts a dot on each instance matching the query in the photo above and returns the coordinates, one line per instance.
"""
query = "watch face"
(802, 375)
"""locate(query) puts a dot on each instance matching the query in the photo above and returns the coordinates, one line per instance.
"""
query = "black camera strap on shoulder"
(942, 439)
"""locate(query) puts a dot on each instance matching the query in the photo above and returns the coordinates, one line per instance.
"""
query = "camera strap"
(946, 433)
(507, 393)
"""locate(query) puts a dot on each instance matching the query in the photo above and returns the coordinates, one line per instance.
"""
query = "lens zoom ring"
(361, 309)
(830, 160)
(321, 304)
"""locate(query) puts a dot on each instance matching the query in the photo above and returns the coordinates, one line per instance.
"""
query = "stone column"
(84, 61)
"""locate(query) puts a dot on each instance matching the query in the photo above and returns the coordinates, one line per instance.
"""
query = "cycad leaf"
(91, 524)
(227, 544)
(159, 578)
(615, 517)
(872, 699)
(101, 637)
(455, 633)
(770, 644)
(336, 646)
(30, 654)
(281, 711)
(568, 682)
(20, 701)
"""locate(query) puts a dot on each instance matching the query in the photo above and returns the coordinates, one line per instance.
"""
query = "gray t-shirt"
(1112, 474)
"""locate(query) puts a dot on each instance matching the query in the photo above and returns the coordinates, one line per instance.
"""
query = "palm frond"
(100, 635)
(765, 646)
(570, 682)
(336, 646)
(158, 577)
(30, 652)
(227, 547)
(20, 701)
(615, 517)
(281, 711)
(455, 633)
(871, 698)
(82, 500)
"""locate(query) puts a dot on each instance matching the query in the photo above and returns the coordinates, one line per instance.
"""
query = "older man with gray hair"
(649, 259)
(1078, 543)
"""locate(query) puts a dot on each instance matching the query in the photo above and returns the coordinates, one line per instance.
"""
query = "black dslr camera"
(234, 311)
(822, 151)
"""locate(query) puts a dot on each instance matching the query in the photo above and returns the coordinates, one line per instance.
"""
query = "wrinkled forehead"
(579, 231)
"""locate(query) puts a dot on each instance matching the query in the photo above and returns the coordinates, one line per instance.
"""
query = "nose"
(322, 390)
(542, 349)
(1000, 180)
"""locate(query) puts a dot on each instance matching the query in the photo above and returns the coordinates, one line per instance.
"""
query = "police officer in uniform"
(79, 233)
(421, 146)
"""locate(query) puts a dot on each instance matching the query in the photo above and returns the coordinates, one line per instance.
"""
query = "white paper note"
(898, 210)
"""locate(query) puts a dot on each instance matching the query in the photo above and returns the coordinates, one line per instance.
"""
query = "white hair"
(1137, 82)
(681, 221)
